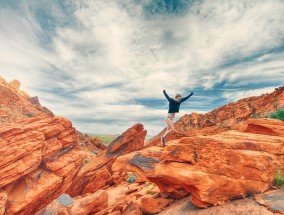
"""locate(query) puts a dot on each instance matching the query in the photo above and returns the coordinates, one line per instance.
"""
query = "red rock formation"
(176, 135)
(236, 207)
(81, 205)
(226, 116)
(43, 157)
(152, 206)
(38, 159)
(16, 104)
(99, 168)
(215, 168)
(92, 144)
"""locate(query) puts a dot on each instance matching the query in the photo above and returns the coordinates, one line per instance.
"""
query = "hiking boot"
(163, 141)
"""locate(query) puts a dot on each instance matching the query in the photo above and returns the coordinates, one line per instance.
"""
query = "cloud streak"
(97, 61)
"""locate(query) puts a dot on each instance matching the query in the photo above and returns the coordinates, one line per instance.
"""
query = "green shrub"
(29, 114)
(151, 192)
(279, 114)
(95, 152)
(279, 179)
(131, 179)
(86, 161)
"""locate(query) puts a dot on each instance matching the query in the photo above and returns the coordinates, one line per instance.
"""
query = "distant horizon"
(104, 64)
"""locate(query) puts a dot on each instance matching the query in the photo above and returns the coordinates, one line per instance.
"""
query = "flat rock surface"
(273, 199)
(237, 207)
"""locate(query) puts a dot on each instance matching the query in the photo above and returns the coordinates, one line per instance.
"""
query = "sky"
(104, 64)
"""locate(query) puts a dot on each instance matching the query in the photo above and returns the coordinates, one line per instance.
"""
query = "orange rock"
(130, 140)
(32, 193)
(266, 126)
(132, 209)
(81, 205)
(90, 203)
(100, 178)
(152, 206)
(239, 206)
(64, 164)
(16, 104)
(214, 168)
(227, 115)
(25, 146)
(15, 84)
(52, 146)
(125, 143)
(156, 141)
(3, 201)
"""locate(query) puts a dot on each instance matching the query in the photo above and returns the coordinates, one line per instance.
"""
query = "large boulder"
(39, 158)
(216, 168)
(99, 169)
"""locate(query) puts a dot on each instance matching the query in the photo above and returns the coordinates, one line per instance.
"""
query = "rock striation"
(17, 104)
(222, 118)
(47, 167)
(214, 169)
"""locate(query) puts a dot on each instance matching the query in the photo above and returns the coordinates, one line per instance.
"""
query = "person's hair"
(177, 95)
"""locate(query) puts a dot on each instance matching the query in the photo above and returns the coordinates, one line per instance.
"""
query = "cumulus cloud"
(97, 61)
(237, 95)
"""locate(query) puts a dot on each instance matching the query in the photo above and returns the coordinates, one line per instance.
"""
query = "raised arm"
(166, 95)
(185, 98)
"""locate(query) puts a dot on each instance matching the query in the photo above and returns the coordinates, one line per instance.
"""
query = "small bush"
(151, 192)
(29, 114)
(279, 114)
(279, 179)
(86, 161)
(131, 179)
(95, 152)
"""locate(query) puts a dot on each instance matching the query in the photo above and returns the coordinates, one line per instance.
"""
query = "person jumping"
(174, 105)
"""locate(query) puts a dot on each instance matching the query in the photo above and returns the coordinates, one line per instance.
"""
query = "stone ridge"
(17, 104)
(225, 117)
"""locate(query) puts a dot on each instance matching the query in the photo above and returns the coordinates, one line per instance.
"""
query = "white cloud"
(237, 95)
(111, 55)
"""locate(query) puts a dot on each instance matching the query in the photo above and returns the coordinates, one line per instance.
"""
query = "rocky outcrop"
(216, 168)
(176, 135)
(17, 104)
(232, 113)
(236, 207)
(81, 205)
(46, 166)
(273, 199)
(226, 116)
(38, 160)
(99, 168)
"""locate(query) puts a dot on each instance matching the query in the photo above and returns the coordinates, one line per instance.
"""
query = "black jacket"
(173, 104)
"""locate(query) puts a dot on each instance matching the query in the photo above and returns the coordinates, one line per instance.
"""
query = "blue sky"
(104, 64)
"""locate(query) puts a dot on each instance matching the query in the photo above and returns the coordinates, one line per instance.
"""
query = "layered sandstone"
(222, 118)
(17, 104)
(46, 166)
(38, 160)
(216, 168)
